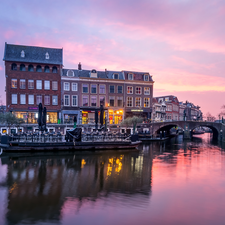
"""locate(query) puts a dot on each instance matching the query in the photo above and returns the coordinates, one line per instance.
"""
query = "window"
(47, 84)
(47, 100)
(130, 76)
(14, 83)
(47, 70)
(101, 89)
(129, 90)
(85, 100)
(93, 88)
(46, 55)
(74, 100)
(39, 84)
(120, 89)
(54, 69)
(30, 84)
(120, 101)
(116, 76)
(111, 89)
(66, 86)
(55, 85)
(38, 69)
(147, 91)
(138, 90)
(167, 99)
(14, 66)
(111, 101)
(129, 101)
(31, 68)
(70, 73)
(93, 101)
(66, 100)
(22, 99)
(22, 54)
(74, 86)
(14, 98)
(22, 67)
(54, 100)
(146, 77)
(22, 84)
(138, 102)
(102, 100)
(146, 102)
(30, 99)
(38, 99)
(85, 88)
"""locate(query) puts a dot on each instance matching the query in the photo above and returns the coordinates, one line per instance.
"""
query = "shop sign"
(32, 108)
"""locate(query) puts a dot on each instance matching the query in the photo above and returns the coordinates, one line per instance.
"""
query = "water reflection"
(38, 187)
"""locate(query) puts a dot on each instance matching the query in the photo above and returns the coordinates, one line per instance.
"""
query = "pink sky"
(180, 42)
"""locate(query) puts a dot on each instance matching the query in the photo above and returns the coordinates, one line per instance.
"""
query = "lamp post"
(219, 118)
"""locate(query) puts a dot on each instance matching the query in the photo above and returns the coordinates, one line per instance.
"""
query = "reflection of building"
(33, 76)
(38, 188)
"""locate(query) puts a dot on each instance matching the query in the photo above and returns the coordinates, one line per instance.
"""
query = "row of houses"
(36, 75)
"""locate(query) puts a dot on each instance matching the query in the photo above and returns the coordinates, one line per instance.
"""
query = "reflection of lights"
(83, 162)
(114, 163)
(14, 186)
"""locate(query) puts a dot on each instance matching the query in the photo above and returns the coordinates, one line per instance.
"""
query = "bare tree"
(210, 117)
(129, 121)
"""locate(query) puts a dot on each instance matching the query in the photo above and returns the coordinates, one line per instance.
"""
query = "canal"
(163, 183)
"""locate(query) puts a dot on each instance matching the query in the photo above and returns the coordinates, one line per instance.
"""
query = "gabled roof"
(33, 54)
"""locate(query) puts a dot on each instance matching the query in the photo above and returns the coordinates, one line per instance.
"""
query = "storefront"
(115, 116)
(68, 116)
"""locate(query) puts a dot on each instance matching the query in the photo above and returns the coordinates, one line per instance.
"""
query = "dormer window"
(130, 76)
(146, 77)
(93, 73)
(116, 76)
(22, 54)
(70, 73)
(46, 55)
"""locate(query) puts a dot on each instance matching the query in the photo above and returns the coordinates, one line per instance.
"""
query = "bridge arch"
(215, 130)
(166, 127)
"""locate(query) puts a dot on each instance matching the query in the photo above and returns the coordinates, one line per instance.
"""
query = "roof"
(33, 54)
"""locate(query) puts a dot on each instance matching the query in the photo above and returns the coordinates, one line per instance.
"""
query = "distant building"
(190, 111)
(159, 110)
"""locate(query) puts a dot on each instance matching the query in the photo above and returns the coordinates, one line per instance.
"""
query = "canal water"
(163, 183)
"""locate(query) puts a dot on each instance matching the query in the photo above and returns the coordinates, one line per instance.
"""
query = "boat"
(74, 140)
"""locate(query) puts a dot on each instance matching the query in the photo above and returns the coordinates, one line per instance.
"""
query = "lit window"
(66, 86)
(138, 90)
(101, 89)
(55, 85)
(129, 90)
(54, 100)
(14, 98)
(47, 100)
(39, 84)
(47, 85)
(146, 102)
(93, 101)
(22, 99)
(129, 101)
(22, 84)
(137, 102)
(66, 100)
(38, 99)
(30, 84)
(30, 99)
(130, 76)
(85, 100)
(147, 91)
(74, 86)
(85, 88)
(74, 100)
(14, 83)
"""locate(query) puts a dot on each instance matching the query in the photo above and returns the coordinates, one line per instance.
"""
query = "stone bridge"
(218, 129)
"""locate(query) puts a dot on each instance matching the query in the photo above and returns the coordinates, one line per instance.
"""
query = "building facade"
(33, 76)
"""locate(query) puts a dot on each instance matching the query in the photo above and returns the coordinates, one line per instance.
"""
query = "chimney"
(79, 66)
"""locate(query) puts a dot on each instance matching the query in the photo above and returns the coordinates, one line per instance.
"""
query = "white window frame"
(138, 99)
(112, 97)
(102, 96)
(104, 89)
(29, 84)
(83, 89)
(146, 90)
(15, 82)
(14, 99)
(74, 87)
(39, 83)
(65, 100)
(87, 100)
(119, 98)
(47, 85)
(56, 97)
(146, 75)
(96, 89)
(96, 100)
(22, 80)
(30, 99)
(131, 101)
(148, 102)
(132, 89)
(118, 89)
(137, 90)
(66, 86)
(130, 76)
(37, 100)
(55, 85)
(45, 97)
(76, 100)
(22, 99)
(113, 89)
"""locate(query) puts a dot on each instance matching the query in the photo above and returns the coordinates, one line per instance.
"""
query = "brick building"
(33, 76)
